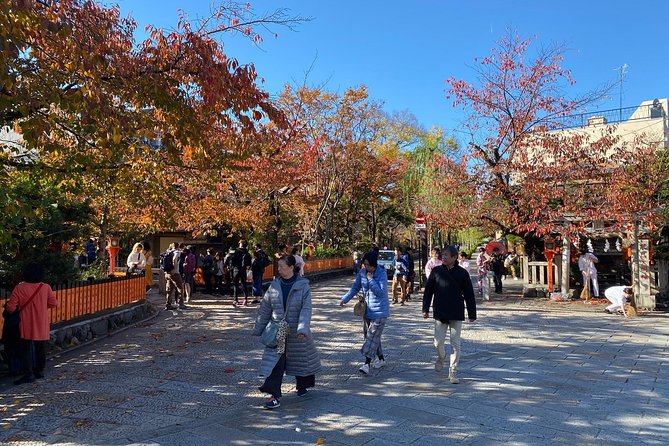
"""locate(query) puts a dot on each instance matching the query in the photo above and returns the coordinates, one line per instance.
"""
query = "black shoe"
(302, 392)
(606, 310)
(170, 307)
(25, 379)
(255, 301)
(39, 375)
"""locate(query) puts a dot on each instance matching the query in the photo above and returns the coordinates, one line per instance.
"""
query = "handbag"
(360, 307)
(268, 335)
(271, 331)
(13, 320)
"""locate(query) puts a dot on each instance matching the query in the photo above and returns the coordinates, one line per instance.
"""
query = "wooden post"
(566, 270)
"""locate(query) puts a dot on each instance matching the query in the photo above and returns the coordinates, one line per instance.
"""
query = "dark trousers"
(257, 285)
(206, 277)
(33, 351)
(272, 384)
(219, 284)
(497, 278)
(239, 279)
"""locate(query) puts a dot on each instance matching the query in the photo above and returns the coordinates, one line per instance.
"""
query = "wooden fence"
(310, 266)
(85, 298)
(535, 274)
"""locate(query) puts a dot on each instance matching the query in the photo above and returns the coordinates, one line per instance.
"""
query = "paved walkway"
(533, 372)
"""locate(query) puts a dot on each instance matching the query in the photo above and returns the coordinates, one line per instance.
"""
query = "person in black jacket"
(448, 289)
(241, 262)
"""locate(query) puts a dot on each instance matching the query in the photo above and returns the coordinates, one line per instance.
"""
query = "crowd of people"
(287, 306)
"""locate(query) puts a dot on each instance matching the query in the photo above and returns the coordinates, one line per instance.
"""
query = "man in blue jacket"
(373, 281)
(448, 289)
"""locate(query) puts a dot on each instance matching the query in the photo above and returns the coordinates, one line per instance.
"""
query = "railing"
(310, 266)
(77, 299)
(613, 116)
(535, 274)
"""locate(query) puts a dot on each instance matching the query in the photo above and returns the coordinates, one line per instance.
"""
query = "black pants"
(272, 384)
(219, 284)
(497, 278)
(239, 279)
(207, 277)
(33, 351)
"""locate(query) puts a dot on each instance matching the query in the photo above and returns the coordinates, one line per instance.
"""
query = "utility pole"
(623, 70)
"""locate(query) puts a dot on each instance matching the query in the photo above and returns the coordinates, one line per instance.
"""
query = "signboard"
(421, 226)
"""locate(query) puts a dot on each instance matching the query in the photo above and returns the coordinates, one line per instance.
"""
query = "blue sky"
(404, 51)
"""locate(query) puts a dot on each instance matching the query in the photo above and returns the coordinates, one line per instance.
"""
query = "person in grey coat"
(288, 294)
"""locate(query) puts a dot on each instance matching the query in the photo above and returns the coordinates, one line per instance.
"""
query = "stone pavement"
(533, 372)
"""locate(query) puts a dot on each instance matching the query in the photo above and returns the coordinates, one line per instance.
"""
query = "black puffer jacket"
(450, 290)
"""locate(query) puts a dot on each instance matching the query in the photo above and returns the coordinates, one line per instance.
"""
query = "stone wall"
(70, 336)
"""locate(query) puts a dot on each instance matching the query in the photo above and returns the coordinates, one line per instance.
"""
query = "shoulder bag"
(274, 330)
(12, 320)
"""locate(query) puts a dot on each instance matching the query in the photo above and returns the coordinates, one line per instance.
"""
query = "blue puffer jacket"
(376, 293)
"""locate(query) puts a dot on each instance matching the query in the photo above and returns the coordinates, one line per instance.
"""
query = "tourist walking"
(497, 266)
(241, 262)
(400, 276)
(298, 258)
(482, 264)
(288, 299)
(173, 279)
(373, 282)
(32, 298)
(447, 290)
(208, 270)
(189, 271)
(435, 260)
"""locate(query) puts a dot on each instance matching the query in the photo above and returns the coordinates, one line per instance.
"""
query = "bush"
(321, 252)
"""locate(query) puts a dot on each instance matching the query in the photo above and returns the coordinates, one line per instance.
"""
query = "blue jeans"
(257, 285)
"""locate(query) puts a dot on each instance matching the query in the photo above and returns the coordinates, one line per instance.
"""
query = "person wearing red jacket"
(33, 298)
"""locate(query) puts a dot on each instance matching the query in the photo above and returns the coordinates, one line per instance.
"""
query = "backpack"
(167, 261)
(241, 259)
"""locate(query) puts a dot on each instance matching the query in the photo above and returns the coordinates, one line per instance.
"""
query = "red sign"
(420, 219)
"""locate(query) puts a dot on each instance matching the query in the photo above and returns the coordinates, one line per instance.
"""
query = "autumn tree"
(130, 122)
(512, 110)
(346, 130)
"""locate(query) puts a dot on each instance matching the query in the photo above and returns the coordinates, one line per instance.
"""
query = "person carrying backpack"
(173, 281)
(258, 264)
(241, 262)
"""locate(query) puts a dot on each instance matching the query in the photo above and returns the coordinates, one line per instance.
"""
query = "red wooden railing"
(77, 299)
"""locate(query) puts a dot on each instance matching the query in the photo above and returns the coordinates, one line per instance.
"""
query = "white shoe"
(364, 369)
(452, 377)
(379, 363)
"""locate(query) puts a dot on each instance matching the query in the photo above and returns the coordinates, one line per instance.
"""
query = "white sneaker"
(452, 377)
(364, 369)
(379, 363)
